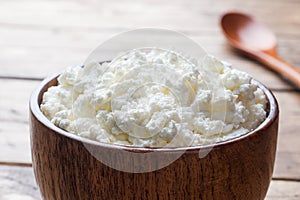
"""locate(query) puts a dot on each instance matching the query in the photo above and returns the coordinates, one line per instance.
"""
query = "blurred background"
(41, 37)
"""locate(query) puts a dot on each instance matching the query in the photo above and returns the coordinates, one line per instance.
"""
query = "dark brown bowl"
(67, 166)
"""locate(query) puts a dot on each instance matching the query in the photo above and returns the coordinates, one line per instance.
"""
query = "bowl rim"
(37, 113)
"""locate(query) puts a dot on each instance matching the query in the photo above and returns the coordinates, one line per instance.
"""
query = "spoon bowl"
(244, 29)
(258, 42)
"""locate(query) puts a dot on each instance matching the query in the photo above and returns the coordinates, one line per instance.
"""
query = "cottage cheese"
(155, 98)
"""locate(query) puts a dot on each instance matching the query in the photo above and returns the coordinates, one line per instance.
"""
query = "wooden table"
(38, 38)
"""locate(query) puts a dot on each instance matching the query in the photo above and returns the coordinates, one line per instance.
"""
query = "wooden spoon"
(258, 42)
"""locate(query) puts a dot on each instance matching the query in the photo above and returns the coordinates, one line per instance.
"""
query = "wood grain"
(19, 183)
(288, 156)
(284, 190)
(183, 14)
(45, 52)
(289, 129)
(14, 120)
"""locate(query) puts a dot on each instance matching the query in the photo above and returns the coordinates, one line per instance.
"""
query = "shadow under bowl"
(67, 166)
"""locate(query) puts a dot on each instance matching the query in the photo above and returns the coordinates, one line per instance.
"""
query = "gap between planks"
(21, 78)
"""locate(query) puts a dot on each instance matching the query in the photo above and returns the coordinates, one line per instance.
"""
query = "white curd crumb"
(155, 98)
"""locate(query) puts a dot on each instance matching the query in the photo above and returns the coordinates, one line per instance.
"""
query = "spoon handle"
(292, 73)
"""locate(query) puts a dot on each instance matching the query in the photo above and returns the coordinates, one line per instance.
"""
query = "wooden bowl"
(65, 168)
